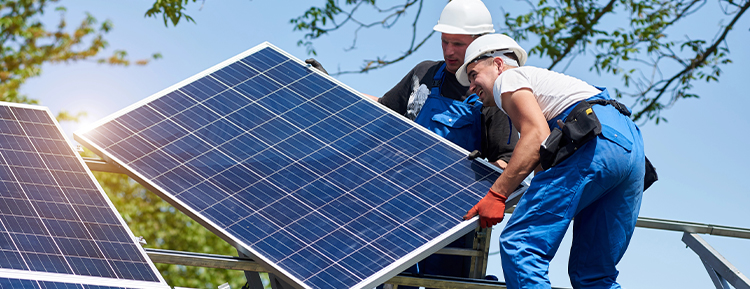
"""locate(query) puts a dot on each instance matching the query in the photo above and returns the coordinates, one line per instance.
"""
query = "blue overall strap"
(437, 81)
(471, 99)
(458, 121)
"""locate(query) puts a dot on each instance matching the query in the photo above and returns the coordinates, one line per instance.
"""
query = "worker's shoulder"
(427, 65)
(425, 69)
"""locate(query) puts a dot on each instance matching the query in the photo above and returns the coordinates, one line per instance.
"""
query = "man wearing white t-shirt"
(592, 168)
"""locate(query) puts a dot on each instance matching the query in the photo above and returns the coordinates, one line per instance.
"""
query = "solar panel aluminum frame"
(370, 282)
(77, 279)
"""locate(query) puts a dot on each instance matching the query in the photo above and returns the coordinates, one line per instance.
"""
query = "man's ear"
(498, 63)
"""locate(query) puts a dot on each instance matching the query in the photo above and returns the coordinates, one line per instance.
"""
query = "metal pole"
(245, 264)
(252, 277)
(720, 270)
(203, 260)
(690, 227)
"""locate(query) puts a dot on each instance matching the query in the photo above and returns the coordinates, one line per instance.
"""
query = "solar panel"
(14, 283)
(57, 227)
(324, 187)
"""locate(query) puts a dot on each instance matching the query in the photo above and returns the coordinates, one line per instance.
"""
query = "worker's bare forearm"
(523, 108)
(524, 160)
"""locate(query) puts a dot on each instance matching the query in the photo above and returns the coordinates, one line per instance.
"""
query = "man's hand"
(500, 164)
(315, 64)
(491, 209)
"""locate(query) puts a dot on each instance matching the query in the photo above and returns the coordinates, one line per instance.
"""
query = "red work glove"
(491, 209)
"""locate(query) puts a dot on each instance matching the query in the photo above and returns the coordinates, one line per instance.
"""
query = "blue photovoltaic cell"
(53, 217)
(328, 186)
(13, 283)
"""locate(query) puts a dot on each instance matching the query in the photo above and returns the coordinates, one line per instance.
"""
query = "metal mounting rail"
(722, 272)
(237, 263)
(100, 165)
(203, 260)
(689, 227)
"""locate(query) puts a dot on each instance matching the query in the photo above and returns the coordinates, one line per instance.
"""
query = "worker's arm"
(527, 116)
(499, 138)
(524, 111)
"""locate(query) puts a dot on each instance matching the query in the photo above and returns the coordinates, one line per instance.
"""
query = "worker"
(591, 168)
(431, 96)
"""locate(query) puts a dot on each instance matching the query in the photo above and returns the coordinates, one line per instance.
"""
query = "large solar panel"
(57, 227)
(324, 187)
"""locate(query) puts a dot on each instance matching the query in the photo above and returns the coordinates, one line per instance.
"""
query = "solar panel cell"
(11, 260)
(302, 266)
(255, 227)
(116, 131)
(234, 74)
(203, 88)
(263, 59)
(9, 126)
(287, 72)
(162, 133)
(257, 87)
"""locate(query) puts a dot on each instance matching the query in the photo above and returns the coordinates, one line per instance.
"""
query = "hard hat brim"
(485, 44)
(462, 76)
(449, 29)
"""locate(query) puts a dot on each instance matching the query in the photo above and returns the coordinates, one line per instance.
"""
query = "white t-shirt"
(553, 91)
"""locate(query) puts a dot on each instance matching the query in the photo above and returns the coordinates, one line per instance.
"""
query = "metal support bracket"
(254, 281)
(481, 248)
(241, 263)
(720, 270)
(252, 277)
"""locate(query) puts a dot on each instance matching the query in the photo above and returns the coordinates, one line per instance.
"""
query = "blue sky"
(700, 153)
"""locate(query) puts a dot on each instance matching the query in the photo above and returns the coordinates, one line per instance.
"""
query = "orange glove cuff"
(497, 195)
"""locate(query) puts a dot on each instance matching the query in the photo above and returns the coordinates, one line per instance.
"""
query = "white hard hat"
(468, 17)
(490, 45)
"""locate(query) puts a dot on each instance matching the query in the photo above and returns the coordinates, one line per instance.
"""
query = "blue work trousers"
(600, 186)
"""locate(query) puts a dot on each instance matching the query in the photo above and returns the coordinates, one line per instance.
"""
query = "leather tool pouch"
(581, 126)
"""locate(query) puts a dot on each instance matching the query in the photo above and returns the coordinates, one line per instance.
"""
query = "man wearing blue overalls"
(431, 96)
(592, 168)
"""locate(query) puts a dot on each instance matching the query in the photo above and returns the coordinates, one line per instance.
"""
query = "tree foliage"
(633, 40)
(640, 52)
(171, 11)
(163, 227)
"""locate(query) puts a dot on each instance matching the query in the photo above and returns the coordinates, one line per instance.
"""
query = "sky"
(699, 153)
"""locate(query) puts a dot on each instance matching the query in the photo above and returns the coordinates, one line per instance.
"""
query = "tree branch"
(697, 62)
(587, 26)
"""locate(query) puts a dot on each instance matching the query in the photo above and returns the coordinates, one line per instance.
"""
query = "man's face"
(482, 75)
(454, 49)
